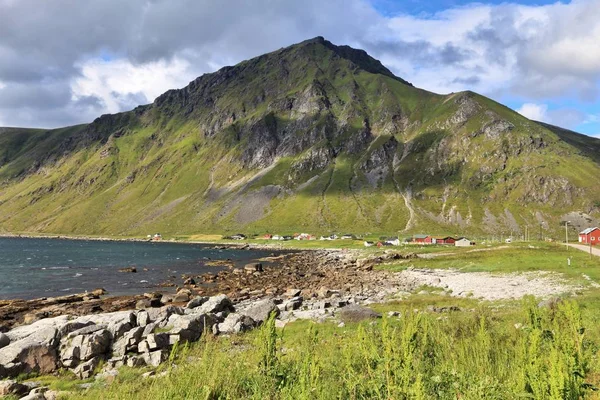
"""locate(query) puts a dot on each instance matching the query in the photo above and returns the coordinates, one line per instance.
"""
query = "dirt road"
(586, 248)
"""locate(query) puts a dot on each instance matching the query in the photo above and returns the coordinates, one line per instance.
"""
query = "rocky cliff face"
(335, 139)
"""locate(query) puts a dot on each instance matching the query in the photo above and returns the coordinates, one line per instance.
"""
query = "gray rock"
(85, 347)
(86, 369)
(143, 318)
(155, 358)
(157, 314)
(261, 310)
(181, 298)
(86, 330)
(292, 304)
(356, 313)
(11, 387)
(215, 304)
(143, 347)
(136, 361)
(118, 329)
(51, 395)
(197, 302)
(4, 340)
(253, 267)
(36, 352)
(128, 342)
(235, 323)
(34, 396)
(157, 341)
(190, 327)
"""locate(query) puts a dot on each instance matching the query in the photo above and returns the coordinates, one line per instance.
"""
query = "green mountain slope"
(313, 137)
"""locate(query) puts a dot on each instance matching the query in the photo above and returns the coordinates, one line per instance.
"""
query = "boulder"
(158, 314)
(82, 348)
(261, 310)
(235, 323)
(36, 352)
(142, 304)
(189, 281)
(128, 342)
(136, 361)
(34, 396)
(155, 358)
(215, 304)
(292, 304)
(11, 387)
(157, 341)
(189, 328)
(4, 340)
(253, 267)
(86, 369)
(143, 318)
(197, 302)
(98, 292)
(181, 298)
(356, 313)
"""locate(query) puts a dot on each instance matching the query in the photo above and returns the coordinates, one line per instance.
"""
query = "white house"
(463, 242)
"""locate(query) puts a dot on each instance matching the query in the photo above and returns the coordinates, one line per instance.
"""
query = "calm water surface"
(31, 268)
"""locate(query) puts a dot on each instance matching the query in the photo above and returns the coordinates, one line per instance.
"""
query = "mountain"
(313, 137)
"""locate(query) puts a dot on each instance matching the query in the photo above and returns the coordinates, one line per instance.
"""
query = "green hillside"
(313, 137)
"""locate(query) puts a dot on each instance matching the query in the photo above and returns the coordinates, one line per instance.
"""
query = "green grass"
(516, 257)
(474, 354)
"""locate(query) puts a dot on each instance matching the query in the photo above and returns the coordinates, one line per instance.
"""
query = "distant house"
(277, 237)
(268, 236)
(590, 236)
(463, 242)
(429, 240)
(287, 237)
(445, 240)
(348, 236)
(393, 242)
(157, 236)
(420, 238)
(303, 236)
(330, 237)
(369, 244)
(238, 236)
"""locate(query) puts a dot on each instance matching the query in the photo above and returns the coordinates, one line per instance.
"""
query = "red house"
(421, 239)
(590, 235)
(445, 240)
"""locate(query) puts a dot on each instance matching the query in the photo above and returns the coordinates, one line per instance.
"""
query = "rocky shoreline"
(311, 272)
(78, 332)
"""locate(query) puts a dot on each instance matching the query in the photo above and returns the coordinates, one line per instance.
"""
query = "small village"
(418, 239)
(589, 236)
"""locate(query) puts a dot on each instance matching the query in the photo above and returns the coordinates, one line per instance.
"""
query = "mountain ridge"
(313, 136)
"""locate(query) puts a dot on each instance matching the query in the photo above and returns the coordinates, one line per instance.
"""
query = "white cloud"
(535, 52)
(114, 81)
(536, 112)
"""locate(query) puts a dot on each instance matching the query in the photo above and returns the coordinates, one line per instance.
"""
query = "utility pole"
(567, 234)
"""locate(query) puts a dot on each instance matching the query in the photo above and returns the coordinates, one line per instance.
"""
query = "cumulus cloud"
(67, 61)
(563, 117)
(536, 112)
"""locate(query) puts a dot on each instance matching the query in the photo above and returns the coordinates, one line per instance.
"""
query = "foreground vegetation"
(484, 351)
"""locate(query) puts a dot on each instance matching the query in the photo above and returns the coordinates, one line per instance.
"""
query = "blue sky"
(541, 58)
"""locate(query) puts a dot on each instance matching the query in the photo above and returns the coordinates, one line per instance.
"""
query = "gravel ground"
(486, 286)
